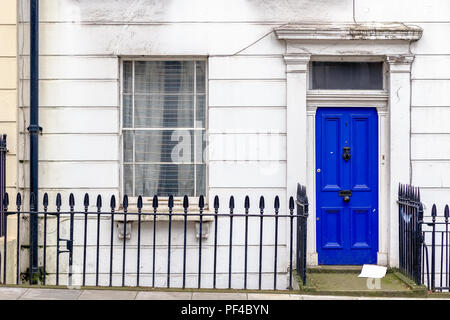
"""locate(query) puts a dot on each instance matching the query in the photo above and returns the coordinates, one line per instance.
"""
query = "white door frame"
(386, 42)
(361, 100)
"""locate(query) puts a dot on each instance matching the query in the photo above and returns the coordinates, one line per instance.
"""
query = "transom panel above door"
(347, 185)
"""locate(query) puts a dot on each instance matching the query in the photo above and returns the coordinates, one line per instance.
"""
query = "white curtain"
(186, 109)
(164, 97)
(149, 109)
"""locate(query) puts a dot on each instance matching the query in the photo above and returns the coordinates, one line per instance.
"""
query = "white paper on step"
(373, 271)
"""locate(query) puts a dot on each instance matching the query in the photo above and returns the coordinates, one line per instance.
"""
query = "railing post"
(230, 247)
(291, 239)
(419, 241)
(5, 203)
(446, 215)
(302, 216)
(33, 239)
(3, 151)
(400, 227)
(70, 242)
(433, 248)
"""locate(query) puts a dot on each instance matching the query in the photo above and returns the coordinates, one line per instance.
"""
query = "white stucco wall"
(430, 105)
(82, 41)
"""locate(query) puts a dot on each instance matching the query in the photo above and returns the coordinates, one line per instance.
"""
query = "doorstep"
(343, 280)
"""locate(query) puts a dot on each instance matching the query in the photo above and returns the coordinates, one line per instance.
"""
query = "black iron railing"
(424, 241)
(410, 235)
(243, 252)
(435, 235)
(3, 151)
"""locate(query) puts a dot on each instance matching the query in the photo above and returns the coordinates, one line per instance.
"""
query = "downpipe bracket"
(35, 129)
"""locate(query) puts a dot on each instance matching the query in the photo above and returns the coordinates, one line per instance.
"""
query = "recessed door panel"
(347, 185)
(361, 164)
(360, 224)
(332, 228)
(332, 130)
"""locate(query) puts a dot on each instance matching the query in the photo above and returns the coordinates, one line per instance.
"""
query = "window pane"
(159, 111)
(201, 75)
(128, 146)
(201, 180)
(200, 112)
(165, 180)
(163, 95)
(127, 77)
(127, 111)
(164, 146)
(164, 77)
(200, 145)
(347, 75)
(128, 179)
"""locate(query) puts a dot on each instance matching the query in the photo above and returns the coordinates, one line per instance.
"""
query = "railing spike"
(446, 211)
(19, 200)
(155, 202)
(291, 203)
(216, 202)
(247, 202)
(420, 214)
(71, 200)
(277, 203)
(140, 203)
(170, 204)
(86, 200)
(99, 202)
(6, 200)
(113, 202)
(261, 203)
(434, 211)
(201, 202)
(58, 200)
(231, 204)
(125, 202)
(45, 200)
(185, 202)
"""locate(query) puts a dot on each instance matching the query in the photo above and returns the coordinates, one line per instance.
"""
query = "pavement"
(14, 293)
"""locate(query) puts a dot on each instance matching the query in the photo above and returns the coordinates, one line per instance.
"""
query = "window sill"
(192, 216)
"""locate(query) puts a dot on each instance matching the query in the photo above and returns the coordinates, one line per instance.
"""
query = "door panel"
(347, 165)
(332, 228)
(360, 228)
(360, 147)
(332, 129)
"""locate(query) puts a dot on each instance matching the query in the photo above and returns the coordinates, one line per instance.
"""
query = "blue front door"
(347, 185)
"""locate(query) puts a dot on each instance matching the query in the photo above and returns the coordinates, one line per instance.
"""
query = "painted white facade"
(260, 113)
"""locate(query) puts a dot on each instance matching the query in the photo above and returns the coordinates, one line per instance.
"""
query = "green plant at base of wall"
(37, 277)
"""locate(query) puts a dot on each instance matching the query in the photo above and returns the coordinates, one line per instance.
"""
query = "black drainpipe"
(34, 130)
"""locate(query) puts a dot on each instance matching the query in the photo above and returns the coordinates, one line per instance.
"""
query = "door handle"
(345, 194)
(346, 156)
